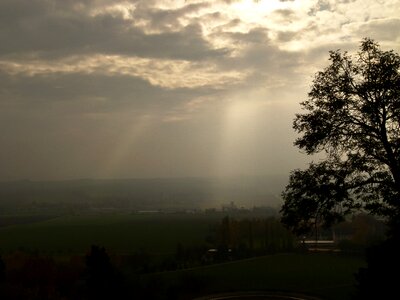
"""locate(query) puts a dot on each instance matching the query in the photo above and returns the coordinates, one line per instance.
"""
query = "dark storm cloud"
(47, 29)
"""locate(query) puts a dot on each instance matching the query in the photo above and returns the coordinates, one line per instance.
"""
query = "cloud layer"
(101, 88)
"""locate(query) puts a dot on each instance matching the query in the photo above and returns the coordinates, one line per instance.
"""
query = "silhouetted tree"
(353, 117)
(103, 282)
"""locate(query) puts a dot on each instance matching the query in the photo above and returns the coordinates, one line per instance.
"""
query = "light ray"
(240, 134)
(125, 147)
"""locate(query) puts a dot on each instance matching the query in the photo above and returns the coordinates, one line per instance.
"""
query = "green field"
(119, 233)
(326, 275)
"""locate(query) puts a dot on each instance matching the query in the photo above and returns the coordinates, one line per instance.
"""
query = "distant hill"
(139, 194)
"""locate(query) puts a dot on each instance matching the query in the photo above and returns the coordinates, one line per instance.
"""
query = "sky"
(162, 88)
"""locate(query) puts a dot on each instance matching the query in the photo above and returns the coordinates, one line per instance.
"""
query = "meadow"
(119, 233)
(329, 276)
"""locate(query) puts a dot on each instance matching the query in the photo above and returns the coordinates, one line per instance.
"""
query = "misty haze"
(196, 149)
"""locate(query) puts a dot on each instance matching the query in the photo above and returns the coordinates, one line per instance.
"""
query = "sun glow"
(255, 11)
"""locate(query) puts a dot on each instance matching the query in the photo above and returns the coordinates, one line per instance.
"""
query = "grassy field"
(155, 233)
(327, 275)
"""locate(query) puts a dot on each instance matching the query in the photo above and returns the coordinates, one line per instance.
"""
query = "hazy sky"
(158, 88)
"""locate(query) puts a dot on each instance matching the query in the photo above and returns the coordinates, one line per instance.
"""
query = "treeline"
(97, 275)
(35, 276)
(233, 239)
(241, 238)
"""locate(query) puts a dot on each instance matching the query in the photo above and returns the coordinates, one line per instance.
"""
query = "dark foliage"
(380, 279)
(103, 281)
(241, 238)
(2, 270)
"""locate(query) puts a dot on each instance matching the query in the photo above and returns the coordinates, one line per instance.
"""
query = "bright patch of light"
(123, 9)
(240, 134)
(159, 72)
(255, 11)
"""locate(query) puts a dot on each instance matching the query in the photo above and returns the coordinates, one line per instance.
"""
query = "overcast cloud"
(162, 88)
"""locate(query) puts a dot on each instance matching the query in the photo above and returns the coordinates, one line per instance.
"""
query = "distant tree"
(352, 115)
(225, 233)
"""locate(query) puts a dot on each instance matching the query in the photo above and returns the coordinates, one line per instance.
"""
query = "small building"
(320, 245)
